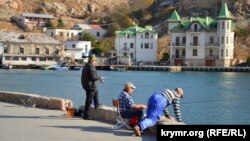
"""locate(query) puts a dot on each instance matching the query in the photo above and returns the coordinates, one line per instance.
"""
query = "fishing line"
(211, 101)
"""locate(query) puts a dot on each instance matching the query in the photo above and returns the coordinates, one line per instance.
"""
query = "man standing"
(157, 105)
(89, 84)
(128, 108)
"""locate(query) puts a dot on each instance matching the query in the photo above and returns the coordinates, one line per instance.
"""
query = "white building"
(63, 34)
(94, 30)
(136, 44)
(202, 41)
(29, 50)
(77, 49)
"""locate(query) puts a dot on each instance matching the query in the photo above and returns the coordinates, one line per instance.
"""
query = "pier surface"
(19, 123)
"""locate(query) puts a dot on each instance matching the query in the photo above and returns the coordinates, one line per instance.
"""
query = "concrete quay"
(179, 68)
(19, 123)
(26, 121)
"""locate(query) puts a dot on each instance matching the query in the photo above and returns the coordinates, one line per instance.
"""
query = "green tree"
(50, 23)
(165, 57)
(248, 60)
(112, 29)
(60, 23)
(89, 37)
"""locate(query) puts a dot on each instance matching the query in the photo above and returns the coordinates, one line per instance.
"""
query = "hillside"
(102, 12)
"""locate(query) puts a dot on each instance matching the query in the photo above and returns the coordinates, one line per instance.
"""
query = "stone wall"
(32, 100)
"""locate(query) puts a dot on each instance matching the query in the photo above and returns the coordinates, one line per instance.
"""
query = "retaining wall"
(33, 100)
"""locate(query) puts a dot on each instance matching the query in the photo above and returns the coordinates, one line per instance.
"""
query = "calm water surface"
(209, 97)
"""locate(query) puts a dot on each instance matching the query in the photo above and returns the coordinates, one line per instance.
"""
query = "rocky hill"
(89, 11)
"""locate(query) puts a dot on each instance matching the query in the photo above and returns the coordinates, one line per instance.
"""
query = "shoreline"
(176, 68)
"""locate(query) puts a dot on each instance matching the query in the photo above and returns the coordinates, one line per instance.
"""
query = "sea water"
(209, 97)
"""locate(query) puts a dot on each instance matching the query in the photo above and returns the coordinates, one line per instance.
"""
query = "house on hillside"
(202, 41)
(35, 21)
(63, 34)
(135, 44)
(94, 30)
(23, 50)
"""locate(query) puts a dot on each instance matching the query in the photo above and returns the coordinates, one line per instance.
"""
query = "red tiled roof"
(95, 27)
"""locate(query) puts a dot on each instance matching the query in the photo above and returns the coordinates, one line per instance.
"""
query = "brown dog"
(70, 112)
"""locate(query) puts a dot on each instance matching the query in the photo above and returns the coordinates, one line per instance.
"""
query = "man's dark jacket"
(89, 77)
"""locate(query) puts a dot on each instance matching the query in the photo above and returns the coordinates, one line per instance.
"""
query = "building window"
(146, 35)
(23, 58)
(46, 50)
(183, 40)
(146, 45)
(141, 36)
(80, 34)
(211, 40)
(141, 45)
(222, 52)
(177, 41)
(51, 34)
(16, 58)
(210, 52)
(227, 25)
(131, 45)
(194, 52)
(226, 52)
(183, 53)
(50, 59)
(7, 58)
(128, 35)
(222, 39)
(57, 51)
(5, 50)
(125, 45)
(33, 58)
(152, 45)
(195, 41)
(125, 54)
(195, 27)
(42, 59)
(73, 45)
(98, 34)
(37, 51)
(21, 50)
(152, 36)
(131, 55)
(227, 40)
(223, 25)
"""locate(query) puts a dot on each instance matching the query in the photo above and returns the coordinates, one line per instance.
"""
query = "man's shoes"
(137, 131)
(87, 118)
(98, 106)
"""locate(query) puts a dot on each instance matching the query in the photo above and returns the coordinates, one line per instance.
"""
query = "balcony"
(212, 57)
(177, 44)
(212, 44)
(194, 44)
(178, 56)
(125, 49)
